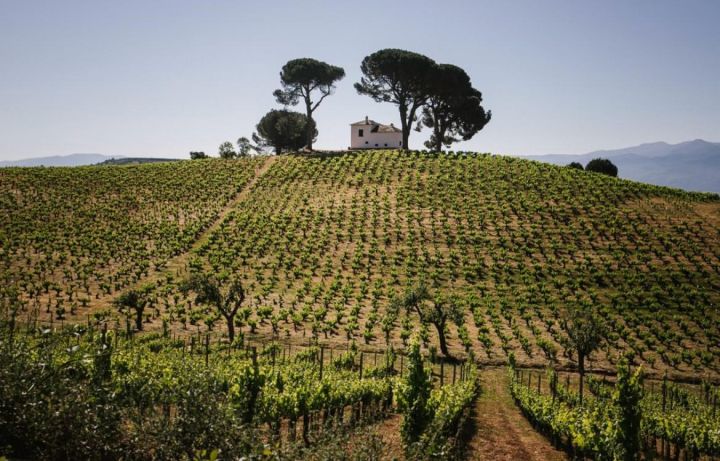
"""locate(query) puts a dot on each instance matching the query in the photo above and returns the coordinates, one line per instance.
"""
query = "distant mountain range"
(692, 165)
(82, 159)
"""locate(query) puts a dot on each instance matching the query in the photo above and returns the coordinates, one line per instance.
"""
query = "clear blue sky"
(162, 78)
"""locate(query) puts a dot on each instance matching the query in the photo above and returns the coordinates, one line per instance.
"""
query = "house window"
(385, 144)
(366, 142)
(400, 143)
(360, 133)
(376, 145)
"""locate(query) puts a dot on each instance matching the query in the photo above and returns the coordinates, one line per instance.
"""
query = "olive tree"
(586, 332)
(434, 310)
(224, 293)
(134, 301)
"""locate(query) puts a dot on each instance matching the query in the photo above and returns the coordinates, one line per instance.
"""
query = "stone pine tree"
(283, 130)
(400, 77)
(454, 109)
(586, 332)
(224, 293)
(303, 78)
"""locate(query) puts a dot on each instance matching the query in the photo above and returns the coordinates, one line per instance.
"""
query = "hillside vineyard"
(324, 243)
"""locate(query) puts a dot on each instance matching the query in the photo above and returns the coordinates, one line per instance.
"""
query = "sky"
(165, 77)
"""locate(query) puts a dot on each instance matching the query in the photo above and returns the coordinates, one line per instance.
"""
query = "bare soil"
(501, 431)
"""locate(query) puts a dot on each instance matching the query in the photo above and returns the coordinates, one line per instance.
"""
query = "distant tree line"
(597, 165)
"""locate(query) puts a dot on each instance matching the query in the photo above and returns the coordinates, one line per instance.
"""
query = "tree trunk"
(231, 327)
(310, 127)
(410, 120)
(405, 127)
(438, 132)
(438, 141)
(443, 341)
(138, 318)
(581, 369)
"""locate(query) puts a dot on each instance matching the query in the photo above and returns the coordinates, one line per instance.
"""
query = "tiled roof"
(386, 129)
(363, 122)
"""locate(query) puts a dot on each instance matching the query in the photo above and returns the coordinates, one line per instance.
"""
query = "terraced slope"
(324, 243)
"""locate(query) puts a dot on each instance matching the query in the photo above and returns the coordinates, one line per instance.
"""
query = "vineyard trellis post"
(442, 372)
(322, 360)
(539, 382)
(361, 364)
(207, 349)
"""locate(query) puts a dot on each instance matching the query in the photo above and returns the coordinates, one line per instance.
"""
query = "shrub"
(602, 165)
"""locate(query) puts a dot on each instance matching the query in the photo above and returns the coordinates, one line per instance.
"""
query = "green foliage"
(433, 419)
(284, 130)
(437, 312)
(300, 78)
(245, 147)
(453, 110)
(627, 396)
(450, 408)
(575, 165)
(225, 295)
(399, 77)
(158, 402)
(227, 150)
(413, 397)
(194, 155)
(134, 300)
(612, 425)
(602, 165)
(586, 332)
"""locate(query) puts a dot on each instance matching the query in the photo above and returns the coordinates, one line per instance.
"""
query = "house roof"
(385, 129)
(377, 127)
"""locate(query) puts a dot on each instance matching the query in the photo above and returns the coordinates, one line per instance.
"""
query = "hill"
(692, 165)
(326, 247)
(58, 160)
(323, 244)
(80, 160)
(135, 160)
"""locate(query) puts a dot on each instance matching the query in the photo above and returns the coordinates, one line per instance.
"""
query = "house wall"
(369, 140)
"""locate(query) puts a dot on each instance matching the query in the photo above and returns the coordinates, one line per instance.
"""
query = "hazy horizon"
(161, 79)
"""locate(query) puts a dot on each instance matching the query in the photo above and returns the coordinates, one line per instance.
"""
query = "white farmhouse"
(369, 134)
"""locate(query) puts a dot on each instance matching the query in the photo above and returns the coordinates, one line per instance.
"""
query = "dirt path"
(389, 432)
(501, 432)
(175, 264)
